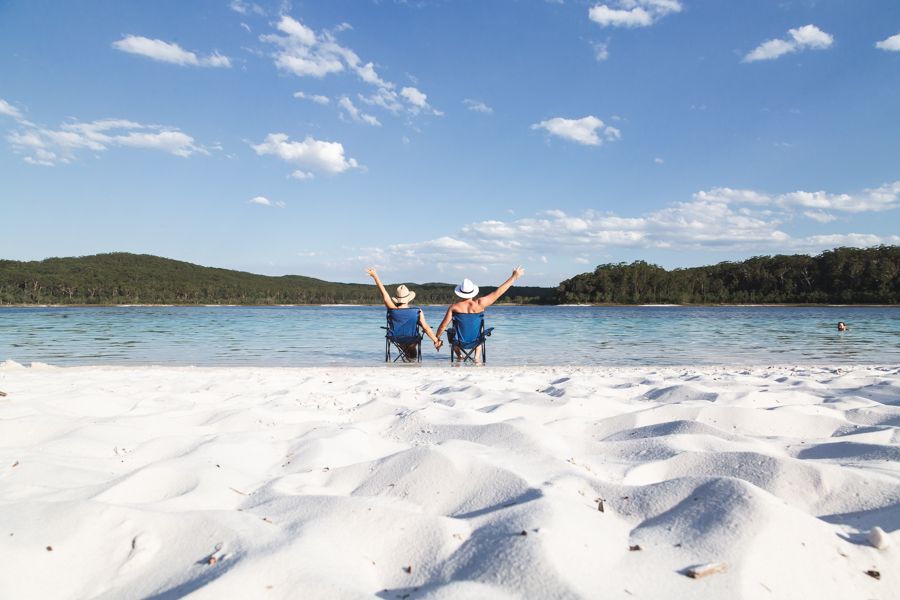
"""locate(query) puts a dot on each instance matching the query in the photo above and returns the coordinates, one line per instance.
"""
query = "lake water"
(351, 335)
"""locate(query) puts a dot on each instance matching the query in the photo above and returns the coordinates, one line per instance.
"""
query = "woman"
(402, 300)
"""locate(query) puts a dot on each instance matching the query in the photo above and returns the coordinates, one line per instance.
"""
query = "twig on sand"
(701, 571)
(873, 574)
(2, 394)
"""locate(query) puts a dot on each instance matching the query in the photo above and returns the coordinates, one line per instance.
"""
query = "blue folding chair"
(403, 332)
(467, 334)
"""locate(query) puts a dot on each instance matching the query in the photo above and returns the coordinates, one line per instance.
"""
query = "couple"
(468, 305)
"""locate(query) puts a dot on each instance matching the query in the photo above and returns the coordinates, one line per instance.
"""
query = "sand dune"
(448, 483)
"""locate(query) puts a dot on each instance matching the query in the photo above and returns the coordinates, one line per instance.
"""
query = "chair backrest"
(403, 322)
(468, 326)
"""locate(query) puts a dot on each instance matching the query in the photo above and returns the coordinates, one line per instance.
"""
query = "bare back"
(468, 307)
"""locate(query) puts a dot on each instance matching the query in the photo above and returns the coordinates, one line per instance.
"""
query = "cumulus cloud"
(313, 97)
(48, 147)
(633, 13)
(589, 130)
(478, 106)
(801, 38)
(891, 44)
(168, 52)
(263, 201)
(355, 114)
(885, 197)
(310, 154)
(304, 52)
(717, 219)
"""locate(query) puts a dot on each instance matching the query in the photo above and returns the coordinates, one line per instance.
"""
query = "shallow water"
(351, 335)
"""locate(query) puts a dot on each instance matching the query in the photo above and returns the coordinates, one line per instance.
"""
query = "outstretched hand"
(518, 272)
(371, 272)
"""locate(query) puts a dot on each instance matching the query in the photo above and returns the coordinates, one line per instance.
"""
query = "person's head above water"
(466, 289)
(842, 326)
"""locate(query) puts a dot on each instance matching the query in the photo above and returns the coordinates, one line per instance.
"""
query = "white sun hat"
(403, 295)
(466, 289)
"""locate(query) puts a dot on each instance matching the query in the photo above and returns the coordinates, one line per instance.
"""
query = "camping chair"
(402, 330)
(467, 334)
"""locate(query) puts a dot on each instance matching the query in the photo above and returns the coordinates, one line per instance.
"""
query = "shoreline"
(497, 305)
(493, 482)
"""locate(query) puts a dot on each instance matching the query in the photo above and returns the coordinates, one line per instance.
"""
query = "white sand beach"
(449, 483)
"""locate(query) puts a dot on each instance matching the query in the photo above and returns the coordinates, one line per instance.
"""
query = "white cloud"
(246, 8)
(718, 219)
(306, 53)
(820, 216)
(891, 44)
(478, 106)
(313, 97)
(658, 160)
(9, 110)
(633, 13)
(168, 52)
(418, 101)
(302, 175)
(885, 197)
(312, 154)
(610, 17)
(589, 130)
(801, 38)
(355, 114)
(601, 51)
(45, 146)
(263, 201)
(384, 98)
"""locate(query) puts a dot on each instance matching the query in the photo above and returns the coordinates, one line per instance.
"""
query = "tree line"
(124, 278)
(838, 276)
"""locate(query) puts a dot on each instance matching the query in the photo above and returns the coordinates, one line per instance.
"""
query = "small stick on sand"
(2, 394)
(701, 571)
(600, 506)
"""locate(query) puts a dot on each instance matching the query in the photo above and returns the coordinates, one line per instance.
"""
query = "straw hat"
(466, 289)
(403, 295)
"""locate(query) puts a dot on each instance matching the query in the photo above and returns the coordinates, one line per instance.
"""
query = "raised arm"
(489, 299)
(444, 323)
(384, 293)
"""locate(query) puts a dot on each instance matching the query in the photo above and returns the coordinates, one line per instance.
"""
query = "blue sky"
(443, 139)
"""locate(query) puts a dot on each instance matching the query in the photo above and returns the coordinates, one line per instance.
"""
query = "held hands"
(438, 343)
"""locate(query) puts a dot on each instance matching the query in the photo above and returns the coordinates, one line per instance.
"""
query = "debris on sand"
(701, 571)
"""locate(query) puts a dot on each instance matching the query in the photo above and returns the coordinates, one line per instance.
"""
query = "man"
(471, 305)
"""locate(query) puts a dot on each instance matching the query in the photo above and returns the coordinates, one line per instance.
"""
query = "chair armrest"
(488, 331)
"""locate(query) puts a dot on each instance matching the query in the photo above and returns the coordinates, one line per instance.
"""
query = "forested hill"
(123, 278)
(839, 276)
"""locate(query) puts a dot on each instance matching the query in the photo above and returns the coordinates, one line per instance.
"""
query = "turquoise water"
(351, 335)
